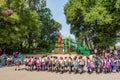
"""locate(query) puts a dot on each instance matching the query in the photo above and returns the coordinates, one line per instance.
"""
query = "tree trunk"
(86, 42)
(91, 46)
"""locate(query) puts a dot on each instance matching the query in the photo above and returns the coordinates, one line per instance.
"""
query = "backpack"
(107, 64)
(40, 62)
(91, 64)
(63, 63)
(82, 62)
(29, 61)
(50, 62)
(57, 63)
(66, 62)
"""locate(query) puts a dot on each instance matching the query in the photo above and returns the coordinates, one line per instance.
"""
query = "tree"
(27, 23)
(16, 27)
(94, 20)
(49, 28)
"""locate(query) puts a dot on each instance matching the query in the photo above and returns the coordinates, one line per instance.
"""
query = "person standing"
(20, 58)
(15, 57)
(17, 64)
(96, 51)
(1, 51)
(115, 52)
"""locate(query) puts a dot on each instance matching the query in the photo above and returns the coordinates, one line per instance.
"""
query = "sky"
(57, 10)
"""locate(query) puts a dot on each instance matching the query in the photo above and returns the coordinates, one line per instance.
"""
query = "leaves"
(97, 19)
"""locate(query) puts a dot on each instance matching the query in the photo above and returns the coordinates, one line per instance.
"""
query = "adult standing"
(20, 57)
(15, 57)
(115, 52)
(96, 51)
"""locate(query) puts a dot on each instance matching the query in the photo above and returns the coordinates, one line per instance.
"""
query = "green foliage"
(15, 28)
(49, 29)
(30, 25)
(96, 21)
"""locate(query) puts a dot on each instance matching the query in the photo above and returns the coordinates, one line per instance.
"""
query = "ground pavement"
(8, 73)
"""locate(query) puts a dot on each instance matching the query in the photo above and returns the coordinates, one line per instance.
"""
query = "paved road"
(8, 73)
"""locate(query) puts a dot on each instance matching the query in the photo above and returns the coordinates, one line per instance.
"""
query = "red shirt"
(1, 52)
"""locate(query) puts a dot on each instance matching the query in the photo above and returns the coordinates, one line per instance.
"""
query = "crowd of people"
(103, 61)
(14, 60)
(106, 62)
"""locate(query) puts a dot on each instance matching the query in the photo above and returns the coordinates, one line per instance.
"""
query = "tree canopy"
(96, 21)
(26, 23)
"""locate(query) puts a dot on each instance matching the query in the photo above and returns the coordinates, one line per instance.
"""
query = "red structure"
(59, 38)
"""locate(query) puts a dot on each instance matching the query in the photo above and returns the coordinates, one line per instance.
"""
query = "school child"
(25, 62)
(115, 52)
(62, 64)
(35, 63)
(113, 65)
(46, 62)
(107, 65)
(17, 64)
(43, 63)
(32, 63)
(81, 65)
(70, 64)
(9, 61)
(53, 63)
(29, 64)
(88, 65)
(92, 66)
(104, 65)
(119, 65)
(57, 64)
(107, 54)
(97, 65)
(66, 64)
(39, 64)
(76, 64)
(49, 65)
(15, 57)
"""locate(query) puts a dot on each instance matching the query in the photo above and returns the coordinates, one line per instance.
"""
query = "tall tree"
(49, 26)
(27, 23)
(16, 26)
(96, 20)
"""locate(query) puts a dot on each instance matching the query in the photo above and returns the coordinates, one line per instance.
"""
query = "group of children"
(16, 59)
(78, 64)
(103, 64)
(54, 63)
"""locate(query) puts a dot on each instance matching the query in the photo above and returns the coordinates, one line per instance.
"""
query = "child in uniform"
(17, 64)
(81, 64)
(29, 64)
(39, 64)
(70, 65)
(57, 65)
(26, 63)
(76, 64)
(62, 64)
(66, 64)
